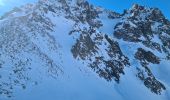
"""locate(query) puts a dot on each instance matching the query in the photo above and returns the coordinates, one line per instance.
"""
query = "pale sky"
(7, 5)
(1, 3)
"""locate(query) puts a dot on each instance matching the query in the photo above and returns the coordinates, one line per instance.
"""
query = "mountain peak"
(58, 42)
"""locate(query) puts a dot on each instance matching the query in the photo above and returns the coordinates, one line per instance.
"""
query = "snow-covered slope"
(72, 50)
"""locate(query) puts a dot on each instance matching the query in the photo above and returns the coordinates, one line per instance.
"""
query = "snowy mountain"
(72, 50)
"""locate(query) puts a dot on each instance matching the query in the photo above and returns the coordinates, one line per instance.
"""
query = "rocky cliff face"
(36, 38)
